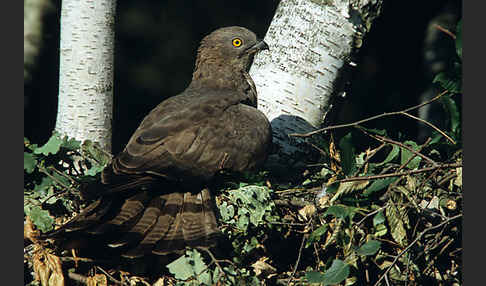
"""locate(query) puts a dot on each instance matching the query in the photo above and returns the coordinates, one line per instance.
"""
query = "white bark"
(86, 70)
(310, 44)
(34, 10)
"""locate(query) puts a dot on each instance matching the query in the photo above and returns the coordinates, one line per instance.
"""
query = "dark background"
(155, 49)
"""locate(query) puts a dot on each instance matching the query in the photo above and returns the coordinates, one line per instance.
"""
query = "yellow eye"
(237, 42)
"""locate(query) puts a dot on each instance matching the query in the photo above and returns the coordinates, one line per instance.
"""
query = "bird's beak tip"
(263, 45)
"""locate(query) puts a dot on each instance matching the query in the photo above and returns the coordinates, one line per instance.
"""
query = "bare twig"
(388, 140)
(419, 236)
(402, 112)
(371, 213)
(109, 276)
(298, 257)
(430, 125)
(77, 277)
(440, 28)
(423, 170)
(411, 157)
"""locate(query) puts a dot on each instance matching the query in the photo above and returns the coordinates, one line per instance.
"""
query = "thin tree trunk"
(34, 11)
(86, 70)
(311, 44)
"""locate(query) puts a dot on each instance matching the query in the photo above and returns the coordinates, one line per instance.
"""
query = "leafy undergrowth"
(388, 215)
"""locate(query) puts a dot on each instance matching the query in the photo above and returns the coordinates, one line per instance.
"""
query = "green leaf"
(314, 277)
(338, 211)
(51, 147)
(381, 132)
(450, 79)
(316, 235)
(227, 212)
(94, 151)
(71, 143)
(380, 230)
(379, 218)
(406, 154)
(336, 273)
(29, 162)
(369, 248)
(378, 185)
(395, 221)
(199, 267)
(393, 153)
(181, 268)
(459, 39)
(44, 185)
(347, 154)
(451, 108)
(40, 218)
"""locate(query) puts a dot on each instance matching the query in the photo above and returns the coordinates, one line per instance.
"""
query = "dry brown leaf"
(334, 154)
(261, 267)
(306, 212)
(458, 180)
(30, 231)
(348, 187)
(47, 267)
(97, 280)
(162, 282)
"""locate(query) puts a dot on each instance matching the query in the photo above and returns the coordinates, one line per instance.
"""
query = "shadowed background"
(155, 50)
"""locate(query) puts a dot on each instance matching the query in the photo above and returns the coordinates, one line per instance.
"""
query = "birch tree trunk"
(311, 45)
(86, 70)
(34, 11)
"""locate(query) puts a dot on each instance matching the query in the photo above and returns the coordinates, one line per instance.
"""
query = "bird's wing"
(192, 136)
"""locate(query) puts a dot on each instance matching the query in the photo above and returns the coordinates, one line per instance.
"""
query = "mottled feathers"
(154, 196)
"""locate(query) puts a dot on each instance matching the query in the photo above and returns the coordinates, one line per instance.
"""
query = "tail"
(146, 223)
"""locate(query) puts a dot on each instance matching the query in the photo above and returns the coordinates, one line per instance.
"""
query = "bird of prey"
(154, 195)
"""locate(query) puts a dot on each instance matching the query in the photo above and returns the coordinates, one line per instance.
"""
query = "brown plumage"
(154, 196)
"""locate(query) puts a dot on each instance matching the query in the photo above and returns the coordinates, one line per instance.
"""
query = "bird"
(154, 197)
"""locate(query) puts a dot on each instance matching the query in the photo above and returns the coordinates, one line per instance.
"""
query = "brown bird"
(154, 196)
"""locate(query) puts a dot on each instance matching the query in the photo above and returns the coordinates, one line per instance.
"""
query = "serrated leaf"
(395, 221)
(337, 273)
(314, 277)
(378, 185)
(51, 147)
(40, 218)
(316, 235)
(348, 161)
(369, 248)
(450, 80)
(29, 162)
(338, 211)
(392, 155)
(406, 154)
(454, 116)
(379, 218)
(348, 187)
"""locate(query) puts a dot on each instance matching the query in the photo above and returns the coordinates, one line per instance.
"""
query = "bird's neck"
(219, 77)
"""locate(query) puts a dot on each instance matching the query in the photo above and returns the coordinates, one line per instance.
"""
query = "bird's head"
(227, 51)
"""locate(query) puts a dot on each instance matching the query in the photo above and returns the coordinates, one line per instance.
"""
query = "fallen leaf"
(261, 267)
(47, 267)
(97, 280)
(306, 212)
(30, 231)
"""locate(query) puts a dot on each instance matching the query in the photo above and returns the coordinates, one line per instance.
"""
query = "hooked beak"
(259, 46)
